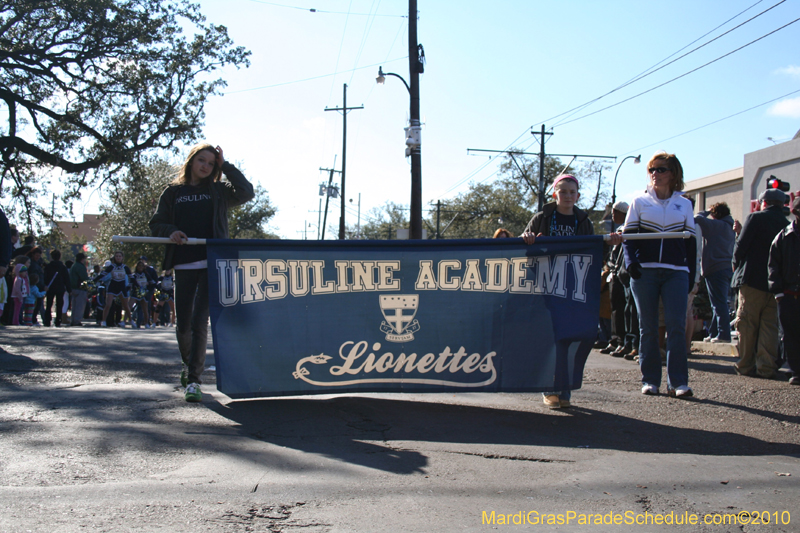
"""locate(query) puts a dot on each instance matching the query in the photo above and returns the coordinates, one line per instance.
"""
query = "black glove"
(635, 270)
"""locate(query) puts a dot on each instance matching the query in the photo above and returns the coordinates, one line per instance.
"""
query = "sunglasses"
(657, 170)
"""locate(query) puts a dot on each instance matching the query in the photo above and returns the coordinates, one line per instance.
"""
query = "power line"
(463, 180)
(682, 75)
(367, 29)
(711, 123)
(482, 166)
(403, 26)
(632, 80)
(341, 45)
(314, 77)
(653, 68)
(314, 10)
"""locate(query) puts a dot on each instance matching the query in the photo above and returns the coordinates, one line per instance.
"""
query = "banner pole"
(657, 235)
(152, 240)
(625, 236)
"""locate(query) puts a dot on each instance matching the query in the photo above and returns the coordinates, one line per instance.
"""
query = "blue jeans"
(672, 287)
(719, 285)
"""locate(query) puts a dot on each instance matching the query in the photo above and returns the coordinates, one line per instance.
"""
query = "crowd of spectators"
(39, 292)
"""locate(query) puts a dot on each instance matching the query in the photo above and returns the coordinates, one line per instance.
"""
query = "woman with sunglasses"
(661, 269)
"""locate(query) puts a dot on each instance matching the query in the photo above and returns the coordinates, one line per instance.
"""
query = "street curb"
(716, 348)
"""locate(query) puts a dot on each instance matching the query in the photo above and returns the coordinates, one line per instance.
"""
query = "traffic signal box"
(775, 183)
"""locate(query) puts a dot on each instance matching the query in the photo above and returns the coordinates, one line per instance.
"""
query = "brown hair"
(499, 233)
(674, 167)
(719, 210)
(185, 174)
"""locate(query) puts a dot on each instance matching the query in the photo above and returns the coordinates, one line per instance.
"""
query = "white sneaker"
(649, 390)
(682, 391)
(102, 323)
(707, 339)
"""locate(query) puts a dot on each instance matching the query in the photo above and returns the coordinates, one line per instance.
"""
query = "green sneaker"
(183, 376)
(193, 393)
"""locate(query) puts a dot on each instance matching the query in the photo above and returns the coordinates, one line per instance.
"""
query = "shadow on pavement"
(16, 364)
(310, 424)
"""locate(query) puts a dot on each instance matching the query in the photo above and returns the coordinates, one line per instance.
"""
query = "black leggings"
(191, 317)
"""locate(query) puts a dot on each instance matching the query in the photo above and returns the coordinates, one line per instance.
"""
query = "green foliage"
(477, 213)
(380, 223)
(91, 85)
(525, 170)
(512, 200)
(248, 221)
(129, 210)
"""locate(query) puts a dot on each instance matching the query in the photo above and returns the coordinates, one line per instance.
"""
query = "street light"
(413, 134)
(382, 78)
(636, 160)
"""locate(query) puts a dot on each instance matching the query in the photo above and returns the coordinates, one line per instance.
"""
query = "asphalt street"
(95, 436)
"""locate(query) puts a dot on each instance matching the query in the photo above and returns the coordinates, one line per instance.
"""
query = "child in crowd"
(139, 293)
(562, 219)
(118, 285)
(166, 284)
(20, 291)
(30, 300)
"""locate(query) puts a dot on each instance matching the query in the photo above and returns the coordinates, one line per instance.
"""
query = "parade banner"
(322, 317)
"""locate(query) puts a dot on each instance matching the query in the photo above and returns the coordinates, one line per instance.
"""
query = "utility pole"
(344, 109)
(358, 225)
(540, 153)
(541, 163)
(415, 58)
(438, 211)
(319, 210)
(328, 190)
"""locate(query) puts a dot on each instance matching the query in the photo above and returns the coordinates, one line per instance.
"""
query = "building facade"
(740, 187)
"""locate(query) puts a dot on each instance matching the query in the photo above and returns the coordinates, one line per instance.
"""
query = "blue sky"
(493, 71)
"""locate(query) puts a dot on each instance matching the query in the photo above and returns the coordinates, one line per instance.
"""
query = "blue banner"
(322, 317)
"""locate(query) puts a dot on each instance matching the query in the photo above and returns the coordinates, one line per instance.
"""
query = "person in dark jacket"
(196, 205)
(718, 242)
(57, 278)
(784, 283)
(757, 315)
(29, 243)
(6, 246)
(561, 219)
